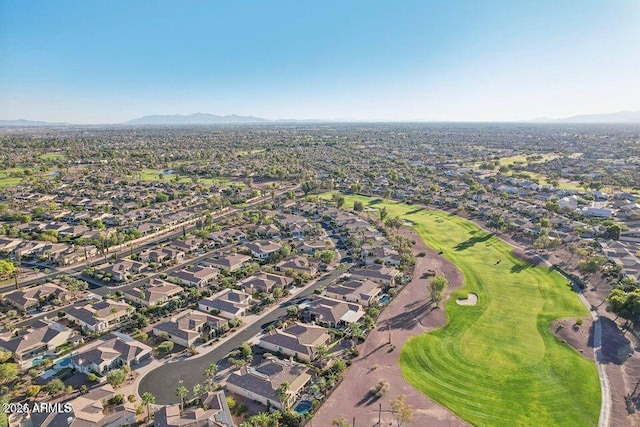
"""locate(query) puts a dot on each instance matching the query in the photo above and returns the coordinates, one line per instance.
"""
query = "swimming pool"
(303, 407)
(384, 299)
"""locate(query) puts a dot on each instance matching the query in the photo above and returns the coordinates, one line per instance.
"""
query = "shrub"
(92, 377)
(117, 399)
(380, 389)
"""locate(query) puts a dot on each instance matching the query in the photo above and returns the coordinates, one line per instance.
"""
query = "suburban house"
(332, 313)
(228, 303)
(101, 316)
(230, 262)
(186, 328)
(90, 409)
(263, 250)
(298, 264)
(188, 245)
(377, 273)
(216, 414)
(310, 247)
(298, 340)
(260, 383)
(385, 254)
(112, 352)
(32, 298)
(198, 277)
(39, 339)
(363, 292)
(123, 269)
(156, 293)
(269, 231)
(264, 282)
(161, 255)
(223, 237)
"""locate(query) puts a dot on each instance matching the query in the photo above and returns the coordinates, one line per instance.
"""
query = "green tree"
(6, 267)
(148, 399)
(210, 373)
(33, 391)
(182, 392)
(283, 394)
(245, 350)
(54, 387)
(321, 351)
(8, 372)
(308, 187)
(263, 419)
(437, 285)
(116, 377)
(165, 347)
(613, 232)
(358, 206)
(402, 412)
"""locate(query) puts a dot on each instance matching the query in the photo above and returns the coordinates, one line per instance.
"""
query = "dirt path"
(408, 315)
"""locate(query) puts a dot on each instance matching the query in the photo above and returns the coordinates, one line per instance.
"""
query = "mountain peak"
(193, 119)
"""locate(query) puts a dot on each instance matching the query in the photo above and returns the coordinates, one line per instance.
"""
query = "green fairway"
(497, 363)
(53, 156)
(155, 175)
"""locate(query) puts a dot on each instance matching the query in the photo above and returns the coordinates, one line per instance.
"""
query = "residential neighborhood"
(208, 293)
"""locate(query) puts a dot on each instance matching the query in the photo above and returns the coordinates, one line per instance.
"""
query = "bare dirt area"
(410, 313)
(620, 353)
(577, 336)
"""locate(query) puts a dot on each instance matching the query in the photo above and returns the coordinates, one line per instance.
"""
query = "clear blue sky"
(109, 61)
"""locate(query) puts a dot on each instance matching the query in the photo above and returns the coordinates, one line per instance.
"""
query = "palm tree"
(198, 390)
(182, 392)
(210, 373)
(283, 393)
(321, 351)
(148, 399)
(356, 332)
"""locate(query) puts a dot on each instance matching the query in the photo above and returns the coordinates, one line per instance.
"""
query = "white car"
(90, 297)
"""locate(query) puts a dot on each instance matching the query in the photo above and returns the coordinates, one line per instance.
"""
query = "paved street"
(164, 380)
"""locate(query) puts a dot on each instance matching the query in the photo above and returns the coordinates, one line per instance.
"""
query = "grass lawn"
(153, 175)
(497, 363)
(53, 156)
(6, 182)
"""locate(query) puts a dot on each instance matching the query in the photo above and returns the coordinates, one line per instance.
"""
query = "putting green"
(497, 363)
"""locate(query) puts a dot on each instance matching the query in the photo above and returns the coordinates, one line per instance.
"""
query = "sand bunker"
(472, 299)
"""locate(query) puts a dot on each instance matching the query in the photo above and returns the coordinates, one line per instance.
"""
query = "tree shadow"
(518, 268)
(472, 242)
(616, 348)
(414, 211)
(409, 318)
(375, 202)
(368, 399)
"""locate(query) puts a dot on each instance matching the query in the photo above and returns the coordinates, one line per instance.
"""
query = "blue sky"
(110, 61)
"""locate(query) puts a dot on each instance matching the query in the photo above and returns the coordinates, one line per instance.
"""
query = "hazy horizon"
(420, 61)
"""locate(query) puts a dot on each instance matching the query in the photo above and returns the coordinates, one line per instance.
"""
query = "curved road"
(164, 380)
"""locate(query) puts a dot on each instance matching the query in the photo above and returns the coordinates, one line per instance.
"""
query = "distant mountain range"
(28, 123)
(193, 119)
(619, 117)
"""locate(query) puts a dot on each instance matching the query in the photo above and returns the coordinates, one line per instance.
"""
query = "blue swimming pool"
(384, 299)
(303, 407)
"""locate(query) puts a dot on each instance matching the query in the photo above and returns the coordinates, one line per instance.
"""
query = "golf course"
(496, 363)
